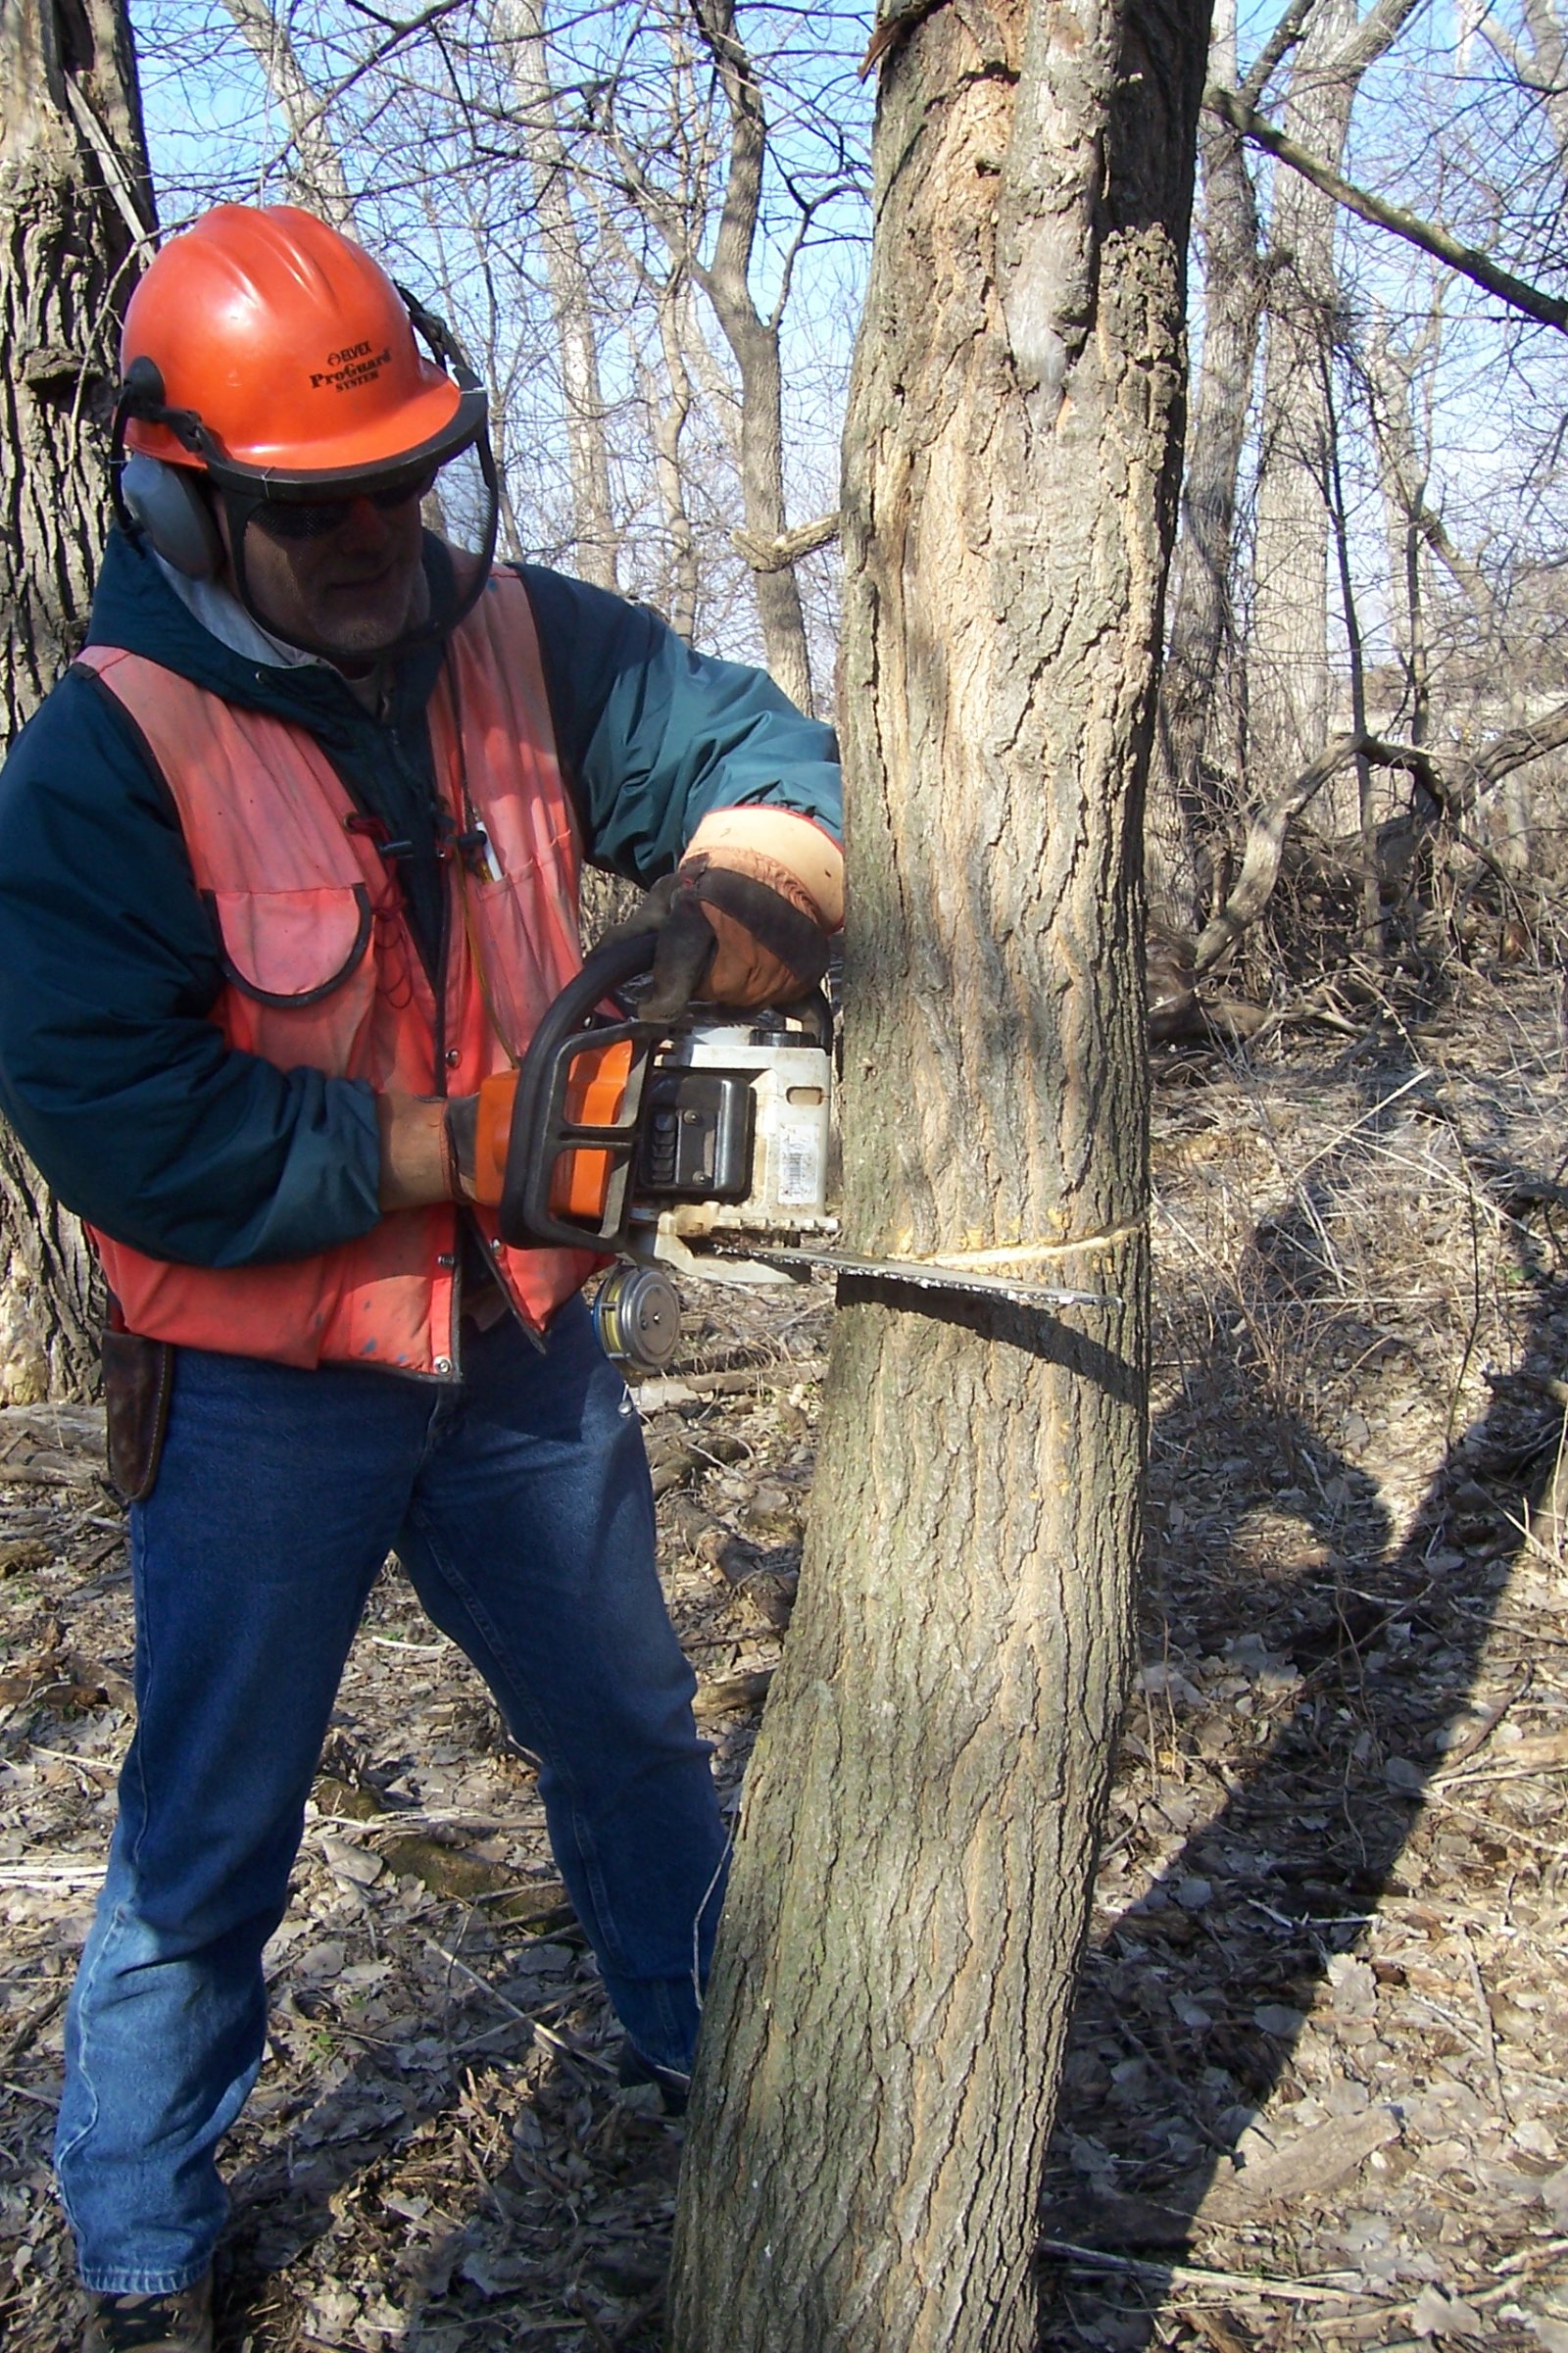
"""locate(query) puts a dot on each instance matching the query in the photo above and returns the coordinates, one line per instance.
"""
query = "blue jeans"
(519, 1503)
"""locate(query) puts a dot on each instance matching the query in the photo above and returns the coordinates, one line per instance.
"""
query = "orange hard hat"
(269, 345)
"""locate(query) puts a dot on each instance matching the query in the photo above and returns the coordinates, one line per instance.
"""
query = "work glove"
(437, 1147)
(742, 932)
(478, 1132)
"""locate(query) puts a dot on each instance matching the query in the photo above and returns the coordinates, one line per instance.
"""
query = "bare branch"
(1281, 41)
(1266, 836)
(1424, 235)
(1265, 847)
(1521, 744)
(321, 178)
(1375, 34)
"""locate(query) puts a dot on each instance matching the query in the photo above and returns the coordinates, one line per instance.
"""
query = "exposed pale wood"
(771, 555)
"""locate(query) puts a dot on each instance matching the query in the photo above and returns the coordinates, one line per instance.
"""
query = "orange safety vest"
(321, 972)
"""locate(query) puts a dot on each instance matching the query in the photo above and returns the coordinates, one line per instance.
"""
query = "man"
(288, 873)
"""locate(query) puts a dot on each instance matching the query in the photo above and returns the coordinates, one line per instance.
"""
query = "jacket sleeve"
(116, 1080)
(653, 736)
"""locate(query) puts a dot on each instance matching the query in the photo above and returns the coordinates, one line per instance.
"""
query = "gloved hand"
(742, 930)
(478, 1131)
(438, 1147)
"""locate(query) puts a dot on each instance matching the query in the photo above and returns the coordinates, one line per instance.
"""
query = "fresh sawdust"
(1315, 2088)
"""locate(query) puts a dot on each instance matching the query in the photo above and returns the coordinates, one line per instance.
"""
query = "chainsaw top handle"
(543, 1133)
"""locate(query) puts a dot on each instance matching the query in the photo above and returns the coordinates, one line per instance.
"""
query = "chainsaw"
(689, 1145)
(700, 1146)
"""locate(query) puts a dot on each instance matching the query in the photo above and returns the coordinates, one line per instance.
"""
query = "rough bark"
(77, 199)
(50, 1302)
(911, 1889)
(74, 192)
(519, 29)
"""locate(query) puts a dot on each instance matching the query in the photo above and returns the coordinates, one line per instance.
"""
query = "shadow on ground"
(1191, 2005)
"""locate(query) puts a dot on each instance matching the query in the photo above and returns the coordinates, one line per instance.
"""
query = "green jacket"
(114, 1077)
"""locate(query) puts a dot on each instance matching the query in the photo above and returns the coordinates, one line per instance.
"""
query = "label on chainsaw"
(798, 1158)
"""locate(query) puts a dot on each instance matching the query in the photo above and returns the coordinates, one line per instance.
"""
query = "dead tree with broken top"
(911, 1881)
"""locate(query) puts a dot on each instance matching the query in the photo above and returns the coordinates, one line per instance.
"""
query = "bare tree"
(1200, 712)
(1289, 680)
(753, 337)
(1399, 377)
(520, 28)
(910, 1889)
(315, 176)
(670, 408)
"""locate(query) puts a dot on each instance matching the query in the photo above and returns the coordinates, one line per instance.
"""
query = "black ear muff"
(165, 504)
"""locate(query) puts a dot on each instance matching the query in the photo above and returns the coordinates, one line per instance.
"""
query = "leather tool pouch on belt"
(138, 1375)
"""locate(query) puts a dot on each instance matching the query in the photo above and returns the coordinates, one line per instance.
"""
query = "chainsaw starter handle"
(540, 1127)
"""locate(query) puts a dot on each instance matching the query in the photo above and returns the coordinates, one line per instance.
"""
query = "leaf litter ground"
(1314, 2095)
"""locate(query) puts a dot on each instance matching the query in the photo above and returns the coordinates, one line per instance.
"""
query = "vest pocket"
(290, 949)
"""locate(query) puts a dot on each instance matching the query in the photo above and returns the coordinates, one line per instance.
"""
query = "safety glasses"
(319, 518)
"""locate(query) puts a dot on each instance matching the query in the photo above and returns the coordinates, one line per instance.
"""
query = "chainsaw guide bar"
(919, 1276)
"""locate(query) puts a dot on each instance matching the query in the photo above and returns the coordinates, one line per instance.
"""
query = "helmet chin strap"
(437, 622)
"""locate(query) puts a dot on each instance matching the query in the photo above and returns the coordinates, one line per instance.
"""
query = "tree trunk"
(1289, 686)
(520, 28)
(1543, 69)
(1187, 818)
(77, 199)
(51, 1304)
(755, 342)
(1366, 802)
(1290, 690)
(315, 178)
(669, 408)
(1395, 374)
(885, 2024)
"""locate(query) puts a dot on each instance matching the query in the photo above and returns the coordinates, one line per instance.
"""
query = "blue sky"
(1440, 122)
(433, 166)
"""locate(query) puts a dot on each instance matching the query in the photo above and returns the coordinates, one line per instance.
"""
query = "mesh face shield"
(458, 499)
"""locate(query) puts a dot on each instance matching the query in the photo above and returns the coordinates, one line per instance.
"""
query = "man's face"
(352, 591)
